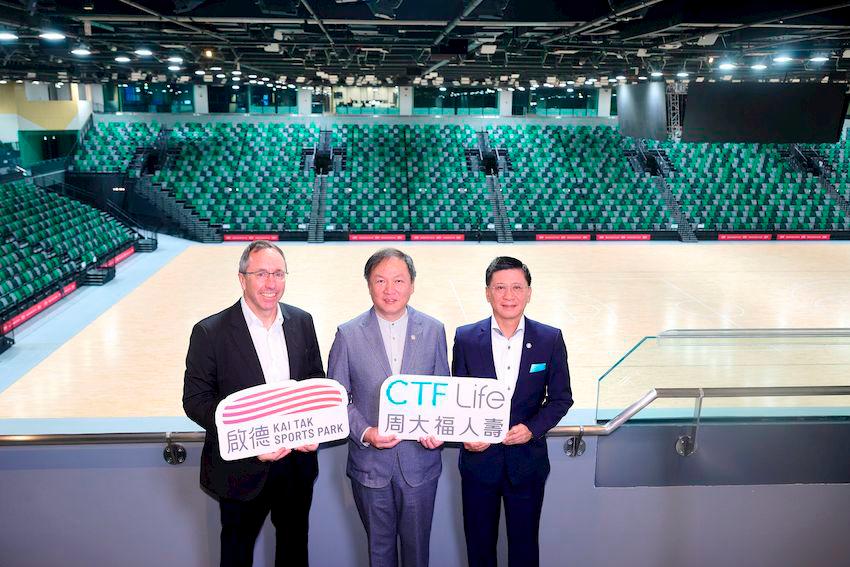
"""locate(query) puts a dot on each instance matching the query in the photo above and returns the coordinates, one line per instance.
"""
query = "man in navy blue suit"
(531, 359)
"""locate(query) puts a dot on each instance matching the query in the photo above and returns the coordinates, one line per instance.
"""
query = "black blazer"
(540, 399)
(222, 360)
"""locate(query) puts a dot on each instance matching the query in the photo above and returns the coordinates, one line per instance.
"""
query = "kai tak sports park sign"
(264, 418)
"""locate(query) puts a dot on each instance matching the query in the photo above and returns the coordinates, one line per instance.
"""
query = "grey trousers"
(397, 511)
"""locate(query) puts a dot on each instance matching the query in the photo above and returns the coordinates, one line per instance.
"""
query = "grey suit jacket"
(359, 362)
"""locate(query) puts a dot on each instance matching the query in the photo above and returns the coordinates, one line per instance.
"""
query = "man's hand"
(430, 442)
(275, 456)
(380, 441)
(476, 447)
(517, 435)
(307, 448)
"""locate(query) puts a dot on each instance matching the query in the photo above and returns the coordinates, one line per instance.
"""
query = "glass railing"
(741, 358)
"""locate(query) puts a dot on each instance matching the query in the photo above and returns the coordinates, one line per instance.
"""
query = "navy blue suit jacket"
(539, 401)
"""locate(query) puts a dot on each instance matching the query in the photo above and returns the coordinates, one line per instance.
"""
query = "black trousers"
(482, 504)
(287, 494)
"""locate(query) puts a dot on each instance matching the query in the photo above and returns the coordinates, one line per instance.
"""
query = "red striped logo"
(280, 401)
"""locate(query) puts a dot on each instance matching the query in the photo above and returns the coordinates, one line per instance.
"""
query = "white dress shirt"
(507, 352)
(270, 345)
(393, 334)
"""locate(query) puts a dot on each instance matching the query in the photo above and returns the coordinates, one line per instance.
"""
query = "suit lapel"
(527, 357)
(485, 349)
(245, 345)
(291, 345)
(373, 338)
(412, 339)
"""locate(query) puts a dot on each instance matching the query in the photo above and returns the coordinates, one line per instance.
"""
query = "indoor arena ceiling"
(395, 42)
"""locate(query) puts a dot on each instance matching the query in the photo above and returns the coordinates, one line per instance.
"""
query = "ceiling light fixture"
(122, 59)
(7, 36)
(81, 50)
(781, 59)
(143, 52)
(175, 59)
(52, 35)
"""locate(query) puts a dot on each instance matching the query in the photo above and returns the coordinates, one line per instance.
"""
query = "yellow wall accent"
(50, 115)
(7, 99)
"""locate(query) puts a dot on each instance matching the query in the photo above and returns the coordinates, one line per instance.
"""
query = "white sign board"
(450, 409)
(262, 419)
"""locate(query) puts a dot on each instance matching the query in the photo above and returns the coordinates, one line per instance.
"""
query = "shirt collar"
(494, 326)
(253, 321)
(402, 319)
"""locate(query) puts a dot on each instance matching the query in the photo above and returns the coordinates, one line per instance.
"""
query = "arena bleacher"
(406, 179)
(47, 242)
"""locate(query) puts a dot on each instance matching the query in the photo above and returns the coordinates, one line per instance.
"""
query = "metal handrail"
(752, 333)
(695, 393)
(562, 431)
(101, 438)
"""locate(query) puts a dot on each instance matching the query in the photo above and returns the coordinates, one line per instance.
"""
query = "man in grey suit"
(394, 482)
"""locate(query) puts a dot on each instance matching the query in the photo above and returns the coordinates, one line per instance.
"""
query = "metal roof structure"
(499, 43)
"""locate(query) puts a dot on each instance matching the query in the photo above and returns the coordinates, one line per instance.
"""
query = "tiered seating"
(837, 157)
(205, 171)
(271, 191)
(46, 237)
(372, 193)
(574, 178)
(402, 177)
(245, 177)
(108, 147)
(743, 187)
(444, 195)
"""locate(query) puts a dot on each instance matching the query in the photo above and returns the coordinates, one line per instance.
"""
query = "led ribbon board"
(262, 419)
(450, 409)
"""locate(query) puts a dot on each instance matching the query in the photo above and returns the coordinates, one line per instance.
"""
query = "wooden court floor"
(129, 362)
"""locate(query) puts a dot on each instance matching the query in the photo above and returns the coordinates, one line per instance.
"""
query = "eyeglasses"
(500, 289)
(279, 275)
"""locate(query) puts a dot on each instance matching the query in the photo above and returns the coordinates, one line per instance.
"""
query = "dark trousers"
(482, 504)
(287, 495)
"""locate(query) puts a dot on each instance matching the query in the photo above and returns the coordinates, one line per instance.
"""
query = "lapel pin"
(527, 345)
(412, 337)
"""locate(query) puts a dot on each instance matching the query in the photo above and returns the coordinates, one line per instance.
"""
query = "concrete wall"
(506, 102)
(305, 101)
(329, 120)
(201, 100)
(604, 103)
(8, 114)
(405, 101)
(122, 505)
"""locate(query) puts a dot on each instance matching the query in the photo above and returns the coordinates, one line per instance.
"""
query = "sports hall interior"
(675, 175)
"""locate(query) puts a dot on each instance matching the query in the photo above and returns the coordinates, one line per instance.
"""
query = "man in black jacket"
(258, 340)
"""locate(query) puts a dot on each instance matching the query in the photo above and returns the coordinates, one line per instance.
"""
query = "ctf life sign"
(264, 418)
(450, 409)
